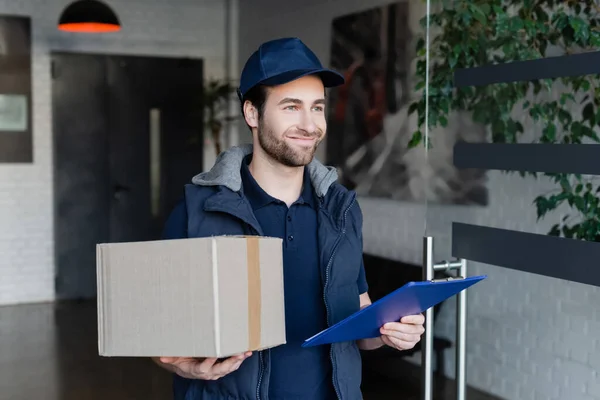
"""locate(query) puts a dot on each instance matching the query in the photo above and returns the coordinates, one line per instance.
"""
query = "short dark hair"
(258, 97)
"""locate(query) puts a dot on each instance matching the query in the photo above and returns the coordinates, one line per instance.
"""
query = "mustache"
(309, 135)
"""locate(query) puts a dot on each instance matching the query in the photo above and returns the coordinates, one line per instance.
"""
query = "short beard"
(281, 152)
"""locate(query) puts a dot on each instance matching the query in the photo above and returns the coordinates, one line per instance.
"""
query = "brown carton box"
(205, 297)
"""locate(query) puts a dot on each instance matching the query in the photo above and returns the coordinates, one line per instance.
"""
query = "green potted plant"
(469, 33)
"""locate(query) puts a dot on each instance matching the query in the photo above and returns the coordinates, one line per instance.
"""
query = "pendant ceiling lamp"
(89, 16)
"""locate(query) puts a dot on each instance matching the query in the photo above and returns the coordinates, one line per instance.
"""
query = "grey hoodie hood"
(226, 172)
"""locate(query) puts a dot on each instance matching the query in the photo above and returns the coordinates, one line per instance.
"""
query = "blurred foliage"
(215, 102)
(470, 33)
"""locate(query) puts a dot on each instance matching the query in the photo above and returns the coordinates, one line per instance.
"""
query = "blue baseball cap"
(283, 60)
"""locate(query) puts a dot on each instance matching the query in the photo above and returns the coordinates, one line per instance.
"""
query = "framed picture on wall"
(16, 133)
(369, 127)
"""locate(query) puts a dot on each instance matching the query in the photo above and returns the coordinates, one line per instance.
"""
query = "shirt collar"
(258, 198)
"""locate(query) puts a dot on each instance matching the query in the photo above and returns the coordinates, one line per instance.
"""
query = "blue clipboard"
(410, 299)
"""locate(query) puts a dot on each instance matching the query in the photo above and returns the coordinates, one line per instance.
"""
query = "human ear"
(250, 114)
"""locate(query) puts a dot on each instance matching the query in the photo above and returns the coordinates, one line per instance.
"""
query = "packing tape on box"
(254, 293)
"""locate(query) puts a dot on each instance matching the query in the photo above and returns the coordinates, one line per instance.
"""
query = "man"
(275, 188)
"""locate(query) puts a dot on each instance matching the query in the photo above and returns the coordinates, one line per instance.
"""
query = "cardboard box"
(205, 297)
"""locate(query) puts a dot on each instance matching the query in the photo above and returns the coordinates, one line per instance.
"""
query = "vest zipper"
(260, 374)
(335, 246)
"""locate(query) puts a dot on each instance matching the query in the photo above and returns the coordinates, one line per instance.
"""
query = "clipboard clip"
(448, 279)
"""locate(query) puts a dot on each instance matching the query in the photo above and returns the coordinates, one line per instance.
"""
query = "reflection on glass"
(467, 34)
(155, 158)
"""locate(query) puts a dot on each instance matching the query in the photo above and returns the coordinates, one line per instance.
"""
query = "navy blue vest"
(217, 210)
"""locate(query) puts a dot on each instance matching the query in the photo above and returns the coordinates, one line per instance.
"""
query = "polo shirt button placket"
(290, 230)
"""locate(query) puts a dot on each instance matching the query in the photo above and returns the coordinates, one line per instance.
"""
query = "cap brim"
(329, 77)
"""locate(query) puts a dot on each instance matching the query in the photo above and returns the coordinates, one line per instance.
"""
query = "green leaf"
(560, 20)
(564, 183)
(413, 107)
(568, 232)
(452, 61)
(520, 127)
(541, 15)
(517, 24)
(466, 18)
(585, 85)
(588, 114)
(576, 129)
(588, 132)
(564, 117)
(478, 13)
(549, 133)
(598, 117)
(579, 203)
(555, 231)
(542, 206)
(595, 38)
(415, 139)
(566, 96)
(445, 104)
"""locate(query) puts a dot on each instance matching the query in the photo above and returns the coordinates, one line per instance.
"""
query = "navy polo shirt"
(296, 372)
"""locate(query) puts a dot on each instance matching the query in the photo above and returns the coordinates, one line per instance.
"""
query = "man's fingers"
(418, 319)
(225, 366)
(202, 368)
(179, 360)
(397, 343)
(208, 368)
(406, 337)
(168, 360)
(403, 328)
(237, 365)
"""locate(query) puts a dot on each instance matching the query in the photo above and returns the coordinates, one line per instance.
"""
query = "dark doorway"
(123, 149)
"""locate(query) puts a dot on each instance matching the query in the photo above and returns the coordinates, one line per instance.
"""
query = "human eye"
(319, 108)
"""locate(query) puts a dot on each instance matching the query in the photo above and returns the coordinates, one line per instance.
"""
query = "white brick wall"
(529, 337)
(150, 27)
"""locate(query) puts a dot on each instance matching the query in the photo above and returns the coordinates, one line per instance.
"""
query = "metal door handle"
(429, 268)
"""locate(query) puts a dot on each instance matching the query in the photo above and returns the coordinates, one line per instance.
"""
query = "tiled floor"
(50, 352)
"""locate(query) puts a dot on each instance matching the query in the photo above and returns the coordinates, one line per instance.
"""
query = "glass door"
(504, 131)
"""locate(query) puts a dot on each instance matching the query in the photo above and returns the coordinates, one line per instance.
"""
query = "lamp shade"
(90, 16)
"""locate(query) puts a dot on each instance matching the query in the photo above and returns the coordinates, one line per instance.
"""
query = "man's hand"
(403, 335)
(203, 368)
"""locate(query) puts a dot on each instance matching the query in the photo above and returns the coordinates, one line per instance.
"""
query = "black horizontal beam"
(523, 71)
(555, 257)
(551, 158)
